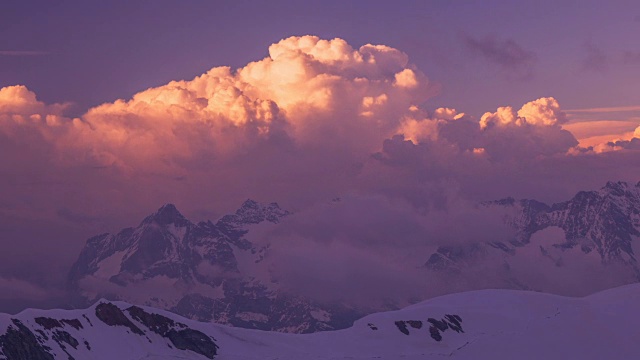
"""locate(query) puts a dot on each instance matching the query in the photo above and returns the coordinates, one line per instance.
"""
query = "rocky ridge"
(195, 270)
(605, 222)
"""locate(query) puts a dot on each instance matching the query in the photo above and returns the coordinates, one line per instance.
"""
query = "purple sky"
(580, 52)
(548, 89)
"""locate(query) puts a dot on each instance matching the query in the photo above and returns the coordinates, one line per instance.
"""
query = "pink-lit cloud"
(313, 120)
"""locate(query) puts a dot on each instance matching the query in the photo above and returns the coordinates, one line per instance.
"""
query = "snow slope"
(490, 324)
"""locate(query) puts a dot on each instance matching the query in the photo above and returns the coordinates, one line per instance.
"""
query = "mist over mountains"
(319, 180)
(310, 120)
(266, 268)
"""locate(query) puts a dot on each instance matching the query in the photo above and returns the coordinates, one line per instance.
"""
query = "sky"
(110, 109)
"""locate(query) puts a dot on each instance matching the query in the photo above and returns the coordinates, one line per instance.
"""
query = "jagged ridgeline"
(206, 271)
(479, 325)
(602, 224)
(212, 272)
(106, 330)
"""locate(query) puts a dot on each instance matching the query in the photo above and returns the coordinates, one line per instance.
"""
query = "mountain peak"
(166, 214)
(616, 184)
(616, 187)
(253, 212)
(250, 204)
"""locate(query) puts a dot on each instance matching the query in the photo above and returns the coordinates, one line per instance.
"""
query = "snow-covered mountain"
(594, 230)
(479, 325)
(206, 271)
(213, 272)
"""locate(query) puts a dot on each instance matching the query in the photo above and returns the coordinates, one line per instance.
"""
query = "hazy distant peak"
(253, 212)
(250, 204)
(167, 214)
(616, 185)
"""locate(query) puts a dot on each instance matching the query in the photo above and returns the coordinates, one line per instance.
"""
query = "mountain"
(206, 271)
(479, 325)
(219, 272)
(598, 228)
(104, 331)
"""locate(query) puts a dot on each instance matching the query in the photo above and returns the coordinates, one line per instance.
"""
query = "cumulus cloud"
(295, 125)
(309, 91)
(504, 135)
(633, 143)
(314, 120)
(543, 111)
(20, 105)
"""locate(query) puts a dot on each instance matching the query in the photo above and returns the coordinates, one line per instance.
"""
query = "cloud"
(595, 127)
(605, 109)
(23, 53)
(369, 250)
(543, 111)
(19, 101)
(507, 54)
(295, 126)
(17, 294)
(597, 132)
(631, 57)
(15, 289)
(595, 58)
(304, 92)
(314, 120)
(630, 142)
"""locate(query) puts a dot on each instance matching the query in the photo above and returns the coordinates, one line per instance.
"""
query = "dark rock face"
(166, 215)
(46, 338)
(166, 245)
(62, 336)
(113, 316)
(416, 324)
(435, 333)
(604, 220)
(436, 327)
(454, 322)
(189, 339)
(402, 326)
(74, 323)
(157, 323)
(439, 326)
(182, 338)
(49, 323)
(274, 311)
(19, 343)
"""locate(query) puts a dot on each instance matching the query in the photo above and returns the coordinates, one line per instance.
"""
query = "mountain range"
(479, 325)
(213, 272)
(595, 231)
(206, 271)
